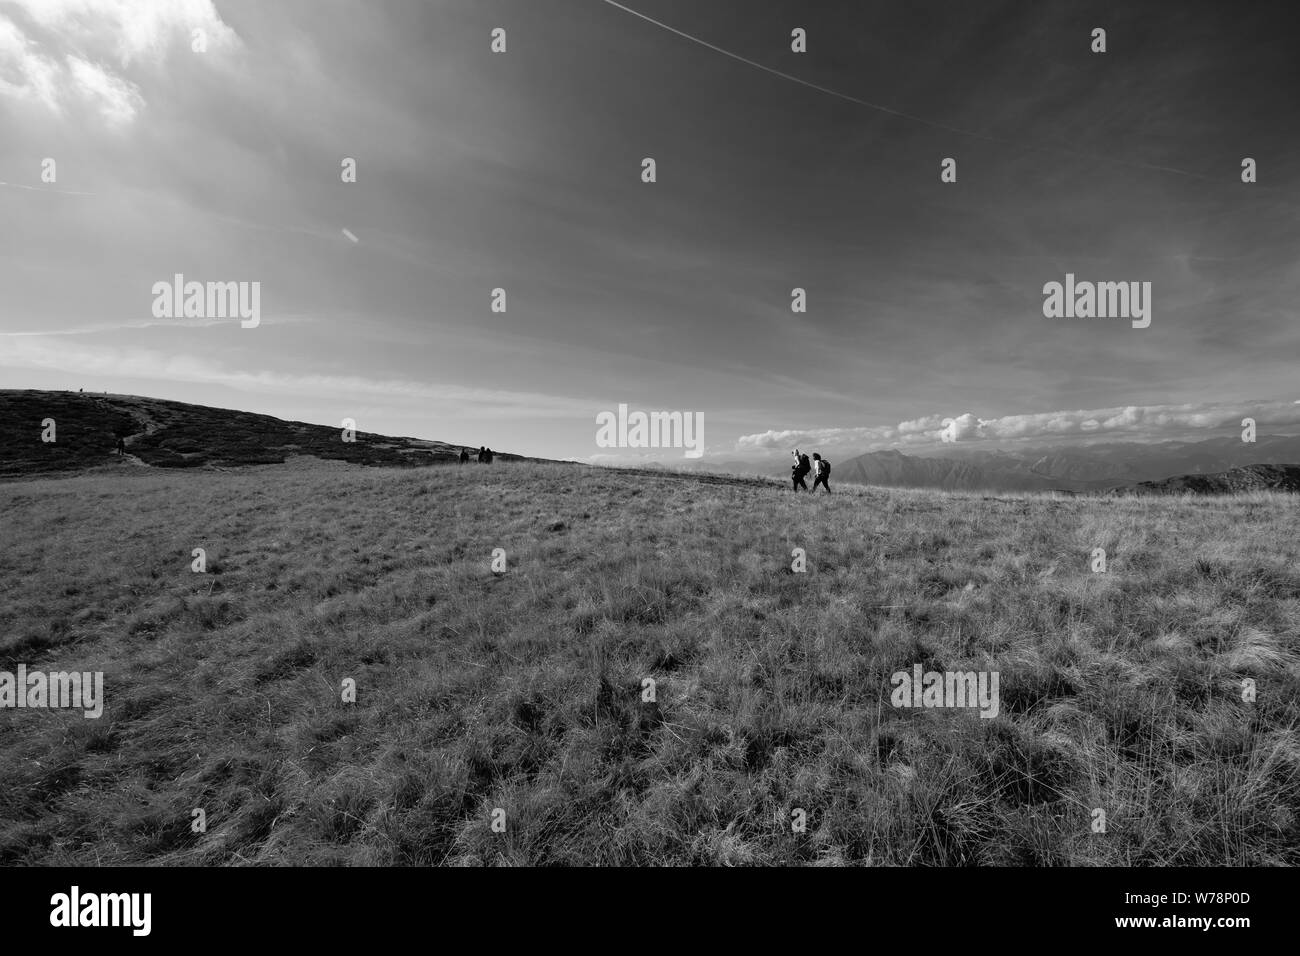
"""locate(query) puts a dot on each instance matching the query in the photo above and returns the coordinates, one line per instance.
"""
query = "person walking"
(823, 473)
(799, 470)
(464, 455)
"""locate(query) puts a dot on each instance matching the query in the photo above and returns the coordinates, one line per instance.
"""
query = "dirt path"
(141, 417)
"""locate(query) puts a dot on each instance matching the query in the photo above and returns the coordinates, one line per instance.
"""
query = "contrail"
(893, 112)
(45, 189)
(795, 79)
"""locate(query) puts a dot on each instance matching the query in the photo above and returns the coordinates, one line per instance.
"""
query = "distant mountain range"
(1079, 469)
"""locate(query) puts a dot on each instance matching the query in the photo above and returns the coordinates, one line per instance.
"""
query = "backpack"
(805, 465)
(825, 469)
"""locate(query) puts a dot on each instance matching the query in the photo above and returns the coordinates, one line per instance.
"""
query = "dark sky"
(522, 170)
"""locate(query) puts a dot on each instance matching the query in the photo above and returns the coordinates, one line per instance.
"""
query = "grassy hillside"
(165, 434)
(522, 690)
(1234, 481)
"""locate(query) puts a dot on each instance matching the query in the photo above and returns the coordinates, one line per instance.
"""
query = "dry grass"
(522, 690)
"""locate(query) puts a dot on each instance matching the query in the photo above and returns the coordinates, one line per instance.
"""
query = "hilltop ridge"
(160, 433)
(1233, 481)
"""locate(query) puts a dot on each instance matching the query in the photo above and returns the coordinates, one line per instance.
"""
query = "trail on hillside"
(140, 415)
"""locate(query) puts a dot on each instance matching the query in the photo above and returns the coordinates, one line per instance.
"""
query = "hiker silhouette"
(823, 473)
(121, 447)
(482, 454)
(487, 455)
(464, 455)
(799, 470)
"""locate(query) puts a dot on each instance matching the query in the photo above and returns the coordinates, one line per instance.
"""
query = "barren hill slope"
(166, 434)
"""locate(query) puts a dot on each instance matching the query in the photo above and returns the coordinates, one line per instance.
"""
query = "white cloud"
(25, 74)
(1159, 422)
(130, 30)
(78, 53)
(816, 436)
(117, 100)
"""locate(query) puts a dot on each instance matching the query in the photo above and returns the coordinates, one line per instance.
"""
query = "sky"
(219, 156)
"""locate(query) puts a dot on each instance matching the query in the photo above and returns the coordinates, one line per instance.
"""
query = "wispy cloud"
(71, 360)
(123, 326)
(46, 189)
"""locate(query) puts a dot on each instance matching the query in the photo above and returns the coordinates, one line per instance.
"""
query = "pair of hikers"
(802, 466)
(484, 455)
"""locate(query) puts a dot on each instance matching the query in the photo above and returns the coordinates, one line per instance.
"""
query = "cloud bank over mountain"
(1080, 426)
